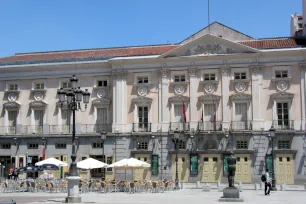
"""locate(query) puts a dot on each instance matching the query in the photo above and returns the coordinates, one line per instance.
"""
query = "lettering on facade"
(209, 49)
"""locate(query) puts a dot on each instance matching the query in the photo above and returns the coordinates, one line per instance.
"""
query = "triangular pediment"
(208, 45)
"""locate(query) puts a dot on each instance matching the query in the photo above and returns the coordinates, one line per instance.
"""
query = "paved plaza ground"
(186, 196)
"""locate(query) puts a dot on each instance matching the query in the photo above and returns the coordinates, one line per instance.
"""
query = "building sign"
(194, 164)
(154, 164)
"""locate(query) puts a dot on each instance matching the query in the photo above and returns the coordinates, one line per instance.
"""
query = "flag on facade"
(214, 117)
(202, 115)
(184, 111)
(44, 154)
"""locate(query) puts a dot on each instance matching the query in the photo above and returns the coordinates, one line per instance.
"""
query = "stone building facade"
(230, 89)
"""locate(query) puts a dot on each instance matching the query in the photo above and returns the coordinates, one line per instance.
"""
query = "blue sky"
(41, 25)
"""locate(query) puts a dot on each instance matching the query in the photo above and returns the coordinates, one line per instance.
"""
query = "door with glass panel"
(39, 121)
(101, 123)
(143, 120)
(283, 116)
(12, 121)
(66, 121)
(240, 117)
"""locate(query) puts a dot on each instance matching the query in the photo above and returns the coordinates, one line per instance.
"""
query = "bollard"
(256, 186)
(198, 185)
(182, 185)
(218, 184)
(305, 186)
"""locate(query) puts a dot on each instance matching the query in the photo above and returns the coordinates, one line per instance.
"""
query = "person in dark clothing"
(267, 183)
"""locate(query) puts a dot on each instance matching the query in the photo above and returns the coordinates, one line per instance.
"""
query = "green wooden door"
(269, 164)
(193, 164)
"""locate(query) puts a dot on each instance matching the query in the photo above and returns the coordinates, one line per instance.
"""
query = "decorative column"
(193, 99)
(257, 97)
(164, 99)
(303, 93)
(225, 97)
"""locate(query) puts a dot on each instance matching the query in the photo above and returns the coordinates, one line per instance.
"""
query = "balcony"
(8, 130)
(32, 129)
(141, 127)
(179, 126)
(241, 125)
(60, 129)
(210, 126)
(283, 124)
(95, 128)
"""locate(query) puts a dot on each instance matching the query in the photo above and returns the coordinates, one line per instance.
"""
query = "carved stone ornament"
(209, 88)
(192, 72)
(225, 71)
(142, 91)
(240, 87)
(164, 73)
(209, 49)
(142, 100)
(179, 89)
(101, 93)
(12, 97)
(282, 85)
(257, 70)
(38, 96)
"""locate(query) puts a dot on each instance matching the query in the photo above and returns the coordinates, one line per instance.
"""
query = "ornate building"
(220, 91)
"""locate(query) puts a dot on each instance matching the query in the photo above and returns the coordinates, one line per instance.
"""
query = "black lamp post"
(103, 138)
(176, 140)
(73, 98)
(272, 135)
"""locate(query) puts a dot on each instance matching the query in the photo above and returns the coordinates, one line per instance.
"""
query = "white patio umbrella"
(130, 163)
(51, 160)
(91, 163)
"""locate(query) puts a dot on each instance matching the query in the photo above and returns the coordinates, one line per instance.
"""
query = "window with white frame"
(142, 80)
(66, 121)
(102, 116)
(242, 144)
(182, 144)
(60, 145)
(143, 118)
(283, 144)
(283, 114)
(241, 112)
(66, 84)
(13, 87)
(281, 74)
(209, 112)
(12, 118)
(33, 146)
(39, 86)
(179, 78)
(209, 77)
(109, 160)
(102, 83)
(97, 145)
(39, 120)
(240, 75)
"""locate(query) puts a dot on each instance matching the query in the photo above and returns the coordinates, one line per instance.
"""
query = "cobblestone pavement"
(186, 196)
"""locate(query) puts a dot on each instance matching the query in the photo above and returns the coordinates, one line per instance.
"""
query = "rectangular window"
(101, 116)
(209, 77)
(283, 144)
(179, 78)
(39, 120)
(6, 146)
(32, 146)
(281, 74)
(155, 165)
(39, 86)
(182, 144)
(178, 113)
(240, 75)
(12, 121)
(283, 115)
(13, 87)
(143, 118)
(194, 165)
(66, 85)
(66, 119)
(141, 145)
(60, 146)
(97, 145)
(242, 145)
(102, 83)
(142, 80)
(109, 160)
(300, 25)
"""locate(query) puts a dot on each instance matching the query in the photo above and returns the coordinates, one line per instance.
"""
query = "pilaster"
(225, 96)
(164, 99)
(257, 97)
(193, 98)
(303, 93)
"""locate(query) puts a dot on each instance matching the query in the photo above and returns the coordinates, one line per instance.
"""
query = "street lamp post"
(73, 98)
(176, 140)
(272, 135)
(103, 138)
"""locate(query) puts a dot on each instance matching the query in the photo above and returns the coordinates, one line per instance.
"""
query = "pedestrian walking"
(266, 178)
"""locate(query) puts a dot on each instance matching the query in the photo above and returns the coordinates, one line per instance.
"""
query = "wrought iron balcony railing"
(95, 128)
(60, 129)
(32, 129)
(8, 130)
(283, 124)
(241, 125)
(179, 126)
(141, 127)
(210, 126)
